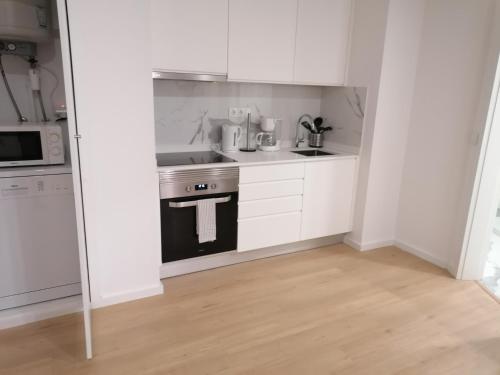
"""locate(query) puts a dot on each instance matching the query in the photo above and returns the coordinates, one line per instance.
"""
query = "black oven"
(180, 192)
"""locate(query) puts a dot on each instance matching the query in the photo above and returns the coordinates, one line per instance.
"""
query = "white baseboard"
(423, 254)
(112, 299)
(185, 266)
(39, 311)
(367, 245)
(352, 242)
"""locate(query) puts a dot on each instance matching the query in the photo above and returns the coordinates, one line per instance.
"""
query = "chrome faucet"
(299, 140)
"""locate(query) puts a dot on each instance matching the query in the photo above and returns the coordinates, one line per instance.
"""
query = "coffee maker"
(269, 138)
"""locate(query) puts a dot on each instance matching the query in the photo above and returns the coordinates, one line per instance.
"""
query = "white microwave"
(31, 144)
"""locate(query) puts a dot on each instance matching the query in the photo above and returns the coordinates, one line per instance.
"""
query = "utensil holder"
(316, 140)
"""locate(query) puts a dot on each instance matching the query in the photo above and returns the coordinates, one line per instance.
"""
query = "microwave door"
(18, 148)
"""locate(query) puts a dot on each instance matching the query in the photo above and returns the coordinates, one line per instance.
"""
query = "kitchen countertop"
(36, 170)
(258, 157)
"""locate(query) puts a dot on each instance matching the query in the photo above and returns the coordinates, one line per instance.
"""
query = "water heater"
(26, 20)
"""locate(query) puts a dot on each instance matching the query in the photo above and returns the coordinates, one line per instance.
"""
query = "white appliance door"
(38, 240)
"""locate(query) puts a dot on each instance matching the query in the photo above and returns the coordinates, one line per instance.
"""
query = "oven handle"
(193, 203)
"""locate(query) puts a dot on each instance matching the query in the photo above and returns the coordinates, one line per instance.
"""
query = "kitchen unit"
(281, 41)
(328, 197)
(283, 198)
(296, 201)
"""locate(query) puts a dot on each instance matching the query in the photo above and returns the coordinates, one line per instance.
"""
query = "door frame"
(484, 201)
(77, 179)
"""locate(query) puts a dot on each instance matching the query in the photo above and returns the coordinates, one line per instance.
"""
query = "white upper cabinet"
(189, 35)
(282, 41)
(261, 40)
(327, 202)
(323, 29)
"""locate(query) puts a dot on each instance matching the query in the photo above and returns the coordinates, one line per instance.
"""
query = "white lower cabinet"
(285, 203)
(271, 189)
(270, 204)
(328, 198)
(264, 231)
(264, 207)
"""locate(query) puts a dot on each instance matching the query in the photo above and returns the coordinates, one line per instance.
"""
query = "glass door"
(491, 273)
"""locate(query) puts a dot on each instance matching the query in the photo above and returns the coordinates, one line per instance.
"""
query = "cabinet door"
(328, 198)
(189, 35)
(265, 231)
(323, 29)
(261, 40)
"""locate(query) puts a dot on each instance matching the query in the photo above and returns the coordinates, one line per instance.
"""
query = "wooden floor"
(326, 311)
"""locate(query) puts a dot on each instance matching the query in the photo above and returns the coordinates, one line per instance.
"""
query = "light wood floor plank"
(326, 311)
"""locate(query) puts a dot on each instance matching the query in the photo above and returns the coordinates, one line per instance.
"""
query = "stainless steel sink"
(313, 153)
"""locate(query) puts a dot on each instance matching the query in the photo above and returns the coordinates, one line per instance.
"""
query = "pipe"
(20, 117)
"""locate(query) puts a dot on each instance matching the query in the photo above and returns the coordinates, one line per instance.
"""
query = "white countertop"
(263, 157)
(37, 170)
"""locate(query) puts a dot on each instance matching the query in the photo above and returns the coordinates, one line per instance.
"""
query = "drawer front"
(271, 206)
(264, 190)
(259, 232)
(277, 172)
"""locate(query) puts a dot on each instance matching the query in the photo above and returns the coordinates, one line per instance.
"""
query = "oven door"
(21, 147)
(178, 227)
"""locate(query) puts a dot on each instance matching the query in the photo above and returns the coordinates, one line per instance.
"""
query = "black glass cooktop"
(187, 158)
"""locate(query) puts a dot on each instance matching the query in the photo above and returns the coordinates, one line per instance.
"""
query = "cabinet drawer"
(264, 190)
(265, 231)
(271, 206)
(277, 172)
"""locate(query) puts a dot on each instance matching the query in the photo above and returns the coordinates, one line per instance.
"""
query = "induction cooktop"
(189, 158)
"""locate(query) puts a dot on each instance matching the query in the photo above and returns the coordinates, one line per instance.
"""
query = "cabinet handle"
(193, 203)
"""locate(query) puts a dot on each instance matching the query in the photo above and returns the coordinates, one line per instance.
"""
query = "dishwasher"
(38, 240)
(180, 190)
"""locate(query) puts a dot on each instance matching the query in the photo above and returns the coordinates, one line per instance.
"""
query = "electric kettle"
(231, 135)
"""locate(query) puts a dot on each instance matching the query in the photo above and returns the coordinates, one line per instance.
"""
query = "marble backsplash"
(343, 109)
(190, 114)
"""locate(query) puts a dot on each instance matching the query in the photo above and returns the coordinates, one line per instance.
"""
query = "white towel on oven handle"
(206, 226)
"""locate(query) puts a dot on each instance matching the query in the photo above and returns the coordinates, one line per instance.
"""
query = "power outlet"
(238, 114)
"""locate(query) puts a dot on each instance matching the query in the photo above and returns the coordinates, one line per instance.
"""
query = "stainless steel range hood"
(190, 76)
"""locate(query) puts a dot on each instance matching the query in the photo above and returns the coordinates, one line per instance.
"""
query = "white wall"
(386, 35)
(447, 88)
(482, 188)
(395, 95)
(422, 126)
(110, 45)
(365, 65)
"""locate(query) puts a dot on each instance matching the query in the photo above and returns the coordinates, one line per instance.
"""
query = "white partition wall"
(113, 89)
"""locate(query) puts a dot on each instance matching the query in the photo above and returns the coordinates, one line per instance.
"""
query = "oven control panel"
(176, 184)
(201, 187)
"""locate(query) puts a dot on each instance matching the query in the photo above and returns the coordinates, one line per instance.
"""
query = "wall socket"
(238, 114)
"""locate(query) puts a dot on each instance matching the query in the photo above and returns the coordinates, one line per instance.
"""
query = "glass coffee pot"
(268, 139)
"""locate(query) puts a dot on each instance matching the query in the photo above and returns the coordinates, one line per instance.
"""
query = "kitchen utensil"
(306, 125)
(231, 135)
(318, 121)
(316, 140)
(248, 147)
